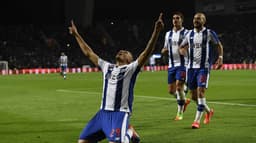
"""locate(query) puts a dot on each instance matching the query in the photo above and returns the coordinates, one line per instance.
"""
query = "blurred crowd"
(39, 46)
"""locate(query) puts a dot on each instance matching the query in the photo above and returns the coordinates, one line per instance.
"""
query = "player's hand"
(219, 63)
(183, 50)
(159, 24)
(72, 28)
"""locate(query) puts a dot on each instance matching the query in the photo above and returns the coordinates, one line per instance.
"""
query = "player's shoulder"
(188, 32)
(168, 32)
(212, 33)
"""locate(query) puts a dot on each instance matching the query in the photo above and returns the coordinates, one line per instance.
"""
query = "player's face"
(124, 56)
(177, 20)
(199, 20)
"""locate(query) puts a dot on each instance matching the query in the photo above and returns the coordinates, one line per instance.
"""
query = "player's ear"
(130, 57)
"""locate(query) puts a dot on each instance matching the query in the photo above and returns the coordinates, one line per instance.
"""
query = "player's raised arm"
(83, 45)
(159, 25)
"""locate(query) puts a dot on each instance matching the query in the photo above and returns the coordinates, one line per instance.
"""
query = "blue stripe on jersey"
(191, 52)
(216, 39)
(131, 86)
(170, 51)
(119, 90)
(204, 48)
(182, 60)
(214, 36)
(210, 57)
(110, 69)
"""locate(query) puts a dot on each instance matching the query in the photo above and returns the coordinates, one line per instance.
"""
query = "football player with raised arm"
(119, 78)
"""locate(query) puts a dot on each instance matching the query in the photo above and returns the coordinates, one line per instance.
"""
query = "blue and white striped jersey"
(172, 41)
(199, 51)
(63, 60)
(118, 85)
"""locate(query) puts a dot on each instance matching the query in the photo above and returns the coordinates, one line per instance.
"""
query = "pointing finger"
(160, 16)
(72, 22)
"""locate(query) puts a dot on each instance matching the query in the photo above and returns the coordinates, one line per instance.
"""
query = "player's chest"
(116, 74)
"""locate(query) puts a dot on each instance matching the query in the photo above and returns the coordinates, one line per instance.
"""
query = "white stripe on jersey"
(118, 84)
(172, 44)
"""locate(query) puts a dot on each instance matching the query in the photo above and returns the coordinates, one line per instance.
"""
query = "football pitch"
(47, 109)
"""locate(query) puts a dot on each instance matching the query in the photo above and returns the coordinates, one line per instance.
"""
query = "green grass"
(48, 109)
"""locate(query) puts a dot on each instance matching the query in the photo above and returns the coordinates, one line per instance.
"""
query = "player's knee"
(194, 98)
(194, 95)
(83, 141)
(179, 85)
(179, 88)
(201, 92)
(172, 92)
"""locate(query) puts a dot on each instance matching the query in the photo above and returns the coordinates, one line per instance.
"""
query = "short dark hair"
(179, 13)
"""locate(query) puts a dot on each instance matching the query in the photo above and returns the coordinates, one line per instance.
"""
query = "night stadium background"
(44, 108)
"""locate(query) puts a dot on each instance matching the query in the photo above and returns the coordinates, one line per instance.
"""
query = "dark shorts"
(176, 73)
(198, 78)
(110, 124)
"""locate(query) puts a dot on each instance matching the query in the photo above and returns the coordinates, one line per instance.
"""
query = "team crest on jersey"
(113, 76)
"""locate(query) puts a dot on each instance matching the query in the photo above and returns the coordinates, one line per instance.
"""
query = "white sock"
(207, 108)
(180, 102)
(200, 109)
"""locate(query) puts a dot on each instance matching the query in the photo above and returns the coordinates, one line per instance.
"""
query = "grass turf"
(48, 109)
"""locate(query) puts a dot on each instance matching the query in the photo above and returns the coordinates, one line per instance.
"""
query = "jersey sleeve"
(134, 66)
(185, 40)
(103, 64)
(214, 37)
(166, 39)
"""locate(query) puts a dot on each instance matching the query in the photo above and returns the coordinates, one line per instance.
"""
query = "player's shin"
(200, 109)
(180, 101)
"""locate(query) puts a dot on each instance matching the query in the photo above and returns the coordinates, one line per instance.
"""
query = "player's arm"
(183, 48)
(219, 61)
(164, 51)
(83, 45)
(216, 41)
(159, 25)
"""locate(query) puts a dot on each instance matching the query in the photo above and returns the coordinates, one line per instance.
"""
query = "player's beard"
(119, 59)
(197, 25)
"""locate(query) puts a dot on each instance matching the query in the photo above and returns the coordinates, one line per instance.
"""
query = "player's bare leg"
(172, 89)
(201, 107)
(180, 99)
(83, 141)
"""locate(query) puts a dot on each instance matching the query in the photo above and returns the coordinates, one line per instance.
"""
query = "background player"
(63, 61)
(177, 62)
(200, 61)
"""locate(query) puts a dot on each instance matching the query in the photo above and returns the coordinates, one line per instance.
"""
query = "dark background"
(141, 8)
(36, 11)
(53, 11)
(34, 33)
